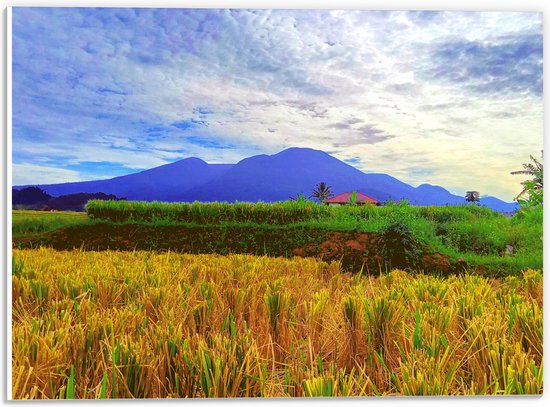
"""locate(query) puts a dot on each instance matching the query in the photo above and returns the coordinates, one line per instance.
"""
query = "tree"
(322, 192)
(532, 188)
(29, 196)
(472, 196)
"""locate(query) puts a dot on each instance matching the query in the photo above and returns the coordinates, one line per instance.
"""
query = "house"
(344, 198)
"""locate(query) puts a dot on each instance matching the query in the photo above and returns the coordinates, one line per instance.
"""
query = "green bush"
(400, 247)
(527, 229)
(477, 237)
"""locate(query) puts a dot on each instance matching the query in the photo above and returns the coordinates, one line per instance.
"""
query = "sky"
(446, 98)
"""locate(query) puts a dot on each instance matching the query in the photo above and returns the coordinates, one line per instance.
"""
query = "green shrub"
(477, 237)
(400, 247)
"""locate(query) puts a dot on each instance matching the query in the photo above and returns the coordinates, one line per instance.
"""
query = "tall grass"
(139, 324)
(273, 213)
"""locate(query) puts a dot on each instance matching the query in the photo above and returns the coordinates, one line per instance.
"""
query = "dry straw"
(138, 324)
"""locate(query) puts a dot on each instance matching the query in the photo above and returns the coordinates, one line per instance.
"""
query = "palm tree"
(532, 186)
(322, 192)
(472, 196)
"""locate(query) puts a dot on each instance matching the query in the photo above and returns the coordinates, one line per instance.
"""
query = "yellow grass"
(170, 325)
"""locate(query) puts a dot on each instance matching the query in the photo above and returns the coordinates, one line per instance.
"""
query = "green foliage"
(532, 193)
(322, 192)
(70, 385)
(319, 387)
(103, 392)
(277, 213)
(353, 198)
(400, 247)
(383, 314)
(300, 199)
(17, 267)
(116, 362)
(477, 237)
(531, 216)
(298, 210)
(526, 230)
(417, 336)
(351, 314)
(536, 194)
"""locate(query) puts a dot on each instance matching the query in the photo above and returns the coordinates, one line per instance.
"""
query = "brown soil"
(354, 250)
(362, 250)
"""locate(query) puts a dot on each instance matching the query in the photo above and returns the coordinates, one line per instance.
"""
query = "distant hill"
(36, 198)
(29, 196)
(264, 178)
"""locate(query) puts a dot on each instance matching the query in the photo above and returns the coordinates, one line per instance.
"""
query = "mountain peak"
(300, 151)
(428, 186)
(193, 160)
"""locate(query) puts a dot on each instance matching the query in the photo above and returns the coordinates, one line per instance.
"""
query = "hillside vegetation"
(450, 238)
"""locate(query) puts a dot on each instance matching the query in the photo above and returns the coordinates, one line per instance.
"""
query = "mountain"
(164, 183)
(498, 205)
(427, 194)
(295, 170)
(266, 178)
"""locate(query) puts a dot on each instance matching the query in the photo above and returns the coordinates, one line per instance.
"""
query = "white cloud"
(30, 174)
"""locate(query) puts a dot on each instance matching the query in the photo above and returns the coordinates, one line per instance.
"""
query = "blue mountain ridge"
(265, 178)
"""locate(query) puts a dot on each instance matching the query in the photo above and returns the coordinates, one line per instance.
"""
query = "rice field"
(35, 222)
(147, 325)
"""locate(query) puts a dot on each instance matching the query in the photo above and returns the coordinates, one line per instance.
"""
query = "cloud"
(208, 143)
(143, 87)
(365, 134)
(190, 124)
(30, 174)
(373, 135)
(513, 64)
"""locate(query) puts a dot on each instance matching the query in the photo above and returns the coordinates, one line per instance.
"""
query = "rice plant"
(167, 325)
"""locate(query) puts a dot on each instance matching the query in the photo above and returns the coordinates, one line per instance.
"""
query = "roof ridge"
(345, 197)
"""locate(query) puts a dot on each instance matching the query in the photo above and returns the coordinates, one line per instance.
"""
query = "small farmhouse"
(344, 199)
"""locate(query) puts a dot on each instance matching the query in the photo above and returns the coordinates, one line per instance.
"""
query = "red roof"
(346, 196)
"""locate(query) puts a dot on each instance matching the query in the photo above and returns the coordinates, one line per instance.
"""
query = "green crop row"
(275, 213)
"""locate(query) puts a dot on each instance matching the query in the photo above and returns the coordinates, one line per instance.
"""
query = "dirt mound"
(357, 250)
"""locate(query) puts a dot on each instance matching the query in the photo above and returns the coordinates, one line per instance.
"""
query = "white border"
(464, 5)
(9, 198)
